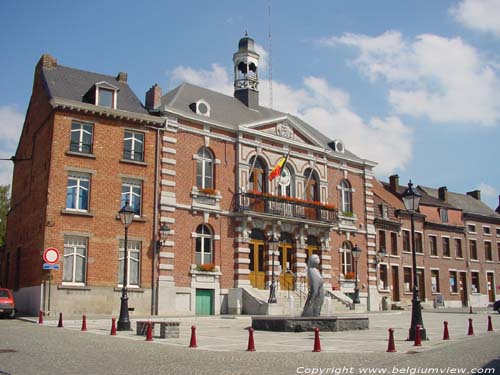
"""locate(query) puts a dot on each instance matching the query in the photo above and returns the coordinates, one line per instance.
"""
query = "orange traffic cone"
(113, 327)
(84, 323)
(192, 342)
(251, 343)
(470, 332)
(149, 332)
(60, 324)
(317, 343)
(446, 334)
(391, 347)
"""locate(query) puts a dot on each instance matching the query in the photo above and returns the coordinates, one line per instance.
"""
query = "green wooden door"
(204, 302)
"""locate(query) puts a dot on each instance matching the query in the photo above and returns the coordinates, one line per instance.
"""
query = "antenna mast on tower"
(270, 47)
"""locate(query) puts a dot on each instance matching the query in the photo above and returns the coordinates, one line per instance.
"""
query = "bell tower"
(246, 75)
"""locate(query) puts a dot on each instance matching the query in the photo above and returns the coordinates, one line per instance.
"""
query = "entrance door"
(204, 302)
(395, 283)
(421, 284)
(256, 266)
(491, 287)
(285, 261)
(463, 288)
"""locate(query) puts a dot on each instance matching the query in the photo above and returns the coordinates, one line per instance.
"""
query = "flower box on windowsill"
(347, 216)
(198, 269)
(209, 197)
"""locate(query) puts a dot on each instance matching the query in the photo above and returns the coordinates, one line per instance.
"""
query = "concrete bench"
(167, 329)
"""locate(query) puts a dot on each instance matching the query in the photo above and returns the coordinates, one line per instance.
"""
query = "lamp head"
(411, 198)
(126, 214)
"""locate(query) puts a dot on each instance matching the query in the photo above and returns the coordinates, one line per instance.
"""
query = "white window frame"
(134, 140)
(128, 195)
(438, 285)
(81, 132)
(73, 243)
(485, 227)
(202, 236)
(78, 178)
(346, 191)
(207, 163)
(134, 258)
(347, 261)
(435, 242)
(469, 228)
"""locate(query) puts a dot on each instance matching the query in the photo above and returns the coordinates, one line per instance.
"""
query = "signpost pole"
(50, 282)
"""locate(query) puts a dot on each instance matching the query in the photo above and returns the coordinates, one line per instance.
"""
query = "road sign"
(47, 266)
(51, 255)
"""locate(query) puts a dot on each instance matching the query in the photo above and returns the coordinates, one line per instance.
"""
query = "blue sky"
(412, 85)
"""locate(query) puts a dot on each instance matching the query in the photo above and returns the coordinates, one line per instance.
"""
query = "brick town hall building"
(199, 162)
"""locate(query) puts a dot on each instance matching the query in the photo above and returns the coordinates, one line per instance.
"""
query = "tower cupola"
(246, 75)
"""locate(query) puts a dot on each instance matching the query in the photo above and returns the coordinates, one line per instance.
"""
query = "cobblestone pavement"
(33, 349)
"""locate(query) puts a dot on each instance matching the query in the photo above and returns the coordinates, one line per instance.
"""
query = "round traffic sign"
(51, 255)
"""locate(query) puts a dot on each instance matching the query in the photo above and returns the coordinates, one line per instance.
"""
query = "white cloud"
(489, 195)
(11, 123)
(482, 15)
(444, 79)
(384, 140)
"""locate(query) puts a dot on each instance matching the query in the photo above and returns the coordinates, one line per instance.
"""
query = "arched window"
(312, 186)
(258, 178)
(346, 197)
(205, 169)
(347, 257)
(286, 183)
(204, 245)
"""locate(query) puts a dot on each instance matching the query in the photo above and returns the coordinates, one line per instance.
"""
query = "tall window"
(81, 138)
(419, 248)
(488, 253)
(475, 282)
(433, 245)
(75, 260)
(435, 281)
(258, 178)
(132, 193)
(134, 263)
(408, 281)
(346, 257)
(312, 187)
(283, 189)
(345, 196)
(77, 192)
(453, 282)
(204, 245)
(406, 241)
(446, 247)
(443, 213)
(384, 284)
(133, 146)
(473, 249)
(394, 243)
(381, 240)
(205, 169)
(458, 248)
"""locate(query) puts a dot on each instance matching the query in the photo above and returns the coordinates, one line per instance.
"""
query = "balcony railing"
(285, 206)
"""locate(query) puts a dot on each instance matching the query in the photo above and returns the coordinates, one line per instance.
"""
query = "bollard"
(40, 317)
(251, 343)
(391, 347)
(84, 323)
(149, 332)
(113, 327)
(317, 343)
(418, 338)
(470, 310)
(490, 324)
(60, 324)
(192, 342)
(446, 334)
(470, 332)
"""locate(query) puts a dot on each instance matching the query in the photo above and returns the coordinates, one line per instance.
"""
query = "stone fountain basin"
(303, 324)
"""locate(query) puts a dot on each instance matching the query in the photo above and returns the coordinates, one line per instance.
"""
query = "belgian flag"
(278, 168)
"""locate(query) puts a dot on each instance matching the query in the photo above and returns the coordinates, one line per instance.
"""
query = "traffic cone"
(490, 324)
(446, 334)
(391, 347)
(40, 317)
(317, 344)
(84, 323)
(60, 324)
(149, 332)
(470, 332)
(418, 338)
(251, 344)
(113, 327)
(192, 342)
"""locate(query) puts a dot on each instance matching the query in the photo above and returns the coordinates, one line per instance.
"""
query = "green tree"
(4, 209)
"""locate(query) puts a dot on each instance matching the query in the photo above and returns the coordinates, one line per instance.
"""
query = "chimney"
(443, 193)
(153, 97)
(476, 194)
(47, 61)
(394, 183)
(122, 77)
(498, 208)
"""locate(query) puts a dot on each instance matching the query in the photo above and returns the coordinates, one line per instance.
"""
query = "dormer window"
(201, 107)
(105, 98)
(106, 95)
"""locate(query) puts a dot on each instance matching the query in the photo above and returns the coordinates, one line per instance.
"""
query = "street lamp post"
(273, 246)
(126, 216)
(356, 252)
(411, 200)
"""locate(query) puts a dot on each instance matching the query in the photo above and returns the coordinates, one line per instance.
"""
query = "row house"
(451, 270)
(197, 161)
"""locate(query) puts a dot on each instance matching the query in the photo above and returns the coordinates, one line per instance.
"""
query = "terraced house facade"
(200, 162)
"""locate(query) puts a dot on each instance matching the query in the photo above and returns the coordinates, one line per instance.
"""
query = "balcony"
(285, 207)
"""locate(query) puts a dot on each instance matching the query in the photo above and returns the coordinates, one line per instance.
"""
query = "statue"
(316, 294)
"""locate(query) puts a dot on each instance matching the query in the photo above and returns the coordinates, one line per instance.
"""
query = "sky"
(411, 85)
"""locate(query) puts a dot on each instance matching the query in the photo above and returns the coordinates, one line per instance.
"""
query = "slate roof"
(383, 191)
(231, 112)
(73, 84)
(466, 203)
